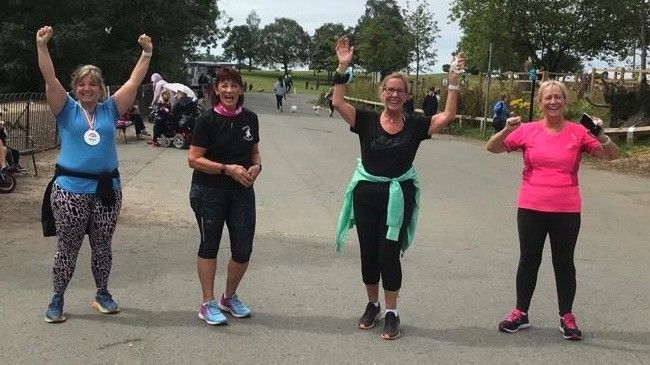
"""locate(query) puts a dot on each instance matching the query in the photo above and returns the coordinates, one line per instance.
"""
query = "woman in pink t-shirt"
(549, 199)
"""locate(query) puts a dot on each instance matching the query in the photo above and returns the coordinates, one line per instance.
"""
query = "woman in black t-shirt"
(226, 161)
(389, 141)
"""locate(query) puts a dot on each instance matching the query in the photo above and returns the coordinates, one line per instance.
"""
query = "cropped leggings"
(380, 257)
(75, 215)
(214, 207)
(562, 229)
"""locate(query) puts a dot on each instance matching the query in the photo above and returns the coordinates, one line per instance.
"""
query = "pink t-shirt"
(551, 162)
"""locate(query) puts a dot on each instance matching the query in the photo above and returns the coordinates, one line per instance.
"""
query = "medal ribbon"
(90, 121)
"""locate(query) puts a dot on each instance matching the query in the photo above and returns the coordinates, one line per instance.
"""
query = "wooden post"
(593, 78)
(630, 135)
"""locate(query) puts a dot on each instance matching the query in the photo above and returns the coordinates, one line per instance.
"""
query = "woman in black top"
(226, 161)
(389, 141)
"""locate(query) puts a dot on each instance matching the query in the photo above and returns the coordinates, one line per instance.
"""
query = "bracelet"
(453, 87)
(146, 54)
(342, 77)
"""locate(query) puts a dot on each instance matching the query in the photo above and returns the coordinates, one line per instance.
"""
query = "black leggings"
(379, 255)
(278, 101)
(562, 229)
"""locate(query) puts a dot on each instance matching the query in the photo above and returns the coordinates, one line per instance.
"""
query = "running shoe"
(210, 313)
(104, 303)
(569, 328)
(515, 321)
(369, 317)
(391, 327)
(234, 306)
(54, 313)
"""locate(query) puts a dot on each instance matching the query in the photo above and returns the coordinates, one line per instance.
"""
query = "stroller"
(178, 132)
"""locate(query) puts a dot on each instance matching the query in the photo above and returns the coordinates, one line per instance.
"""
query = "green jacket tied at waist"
(395, 210)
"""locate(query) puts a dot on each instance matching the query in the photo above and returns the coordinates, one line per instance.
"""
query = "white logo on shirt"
(247, 133)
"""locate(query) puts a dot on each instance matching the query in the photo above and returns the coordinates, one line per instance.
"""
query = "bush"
(520, 107)
(470, 102)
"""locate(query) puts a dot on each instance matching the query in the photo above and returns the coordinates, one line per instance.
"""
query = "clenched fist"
(513, 123)
(44, 35)
(145, 42)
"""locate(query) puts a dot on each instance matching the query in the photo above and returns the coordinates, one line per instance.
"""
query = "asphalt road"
(458, 275)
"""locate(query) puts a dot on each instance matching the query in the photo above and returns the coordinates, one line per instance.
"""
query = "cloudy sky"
(311, 14)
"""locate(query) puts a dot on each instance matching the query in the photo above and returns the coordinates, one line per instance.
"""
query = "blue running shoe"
(54, 313)
(210, 313)
(104, 303)
(234, 306)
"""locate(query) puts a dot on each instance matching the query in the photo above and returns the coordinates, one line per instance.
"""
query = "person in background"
(501, 112)
(162, 116)
(133, 115)
(9, 157)
(158, 83)
(328, 97)
(280, 91)
(430, 103)
(3, 144)
(85, 194)
(549, 202)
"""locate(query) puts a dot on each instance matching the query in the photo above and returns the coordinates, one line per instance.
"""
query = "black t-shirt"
(228, 140)
(384, 154)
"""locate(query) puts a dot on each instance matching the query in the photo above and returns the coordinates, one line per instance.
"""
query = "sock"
(393, 311)
(375, 303)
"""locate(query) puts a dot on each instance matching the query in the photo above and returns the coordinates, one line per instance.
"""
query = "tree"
(424, 31)
(284, 42)
(102, 35)
(323, 43)
(518, 29)
(253, 22)
(625, 30)
(239, 45)
(558, 34)
(383, 43)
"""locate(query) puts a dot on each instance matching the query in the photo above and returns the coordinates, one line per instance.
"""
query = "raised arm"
(443, 118)
(125, 95)
(54, 91)
(495, 144)
(344, 54)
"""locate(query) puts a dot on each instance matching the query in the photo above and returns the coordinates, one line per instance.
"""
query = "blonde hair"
(394, 75)
(88, 70)
(550, 83)
(546, 84)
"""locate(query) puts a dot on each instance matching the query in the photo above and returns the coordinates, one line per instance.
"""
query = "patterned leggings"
(76, 214)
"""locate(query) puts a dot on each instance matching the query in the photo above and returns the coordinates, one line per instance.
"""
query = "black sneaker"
(569, 328)
(391, 327)
(515, 321)
(369, 317)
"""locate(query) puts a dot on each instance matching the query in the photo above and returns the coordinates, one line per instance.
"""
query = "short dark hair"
(227, 74)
